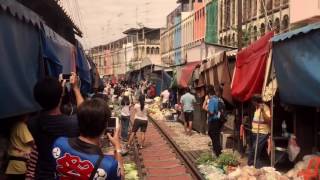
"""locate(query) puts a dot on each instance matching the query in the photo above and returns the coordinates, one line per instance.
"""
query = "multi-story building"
(98, 56)
(125, 54)
(258, 17)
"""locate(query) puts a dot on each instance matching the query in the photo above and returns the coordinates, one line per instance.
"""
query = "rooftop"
(52, 13)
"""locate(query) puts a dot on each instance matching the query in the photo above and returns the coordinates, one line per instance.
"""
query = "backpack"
(222, 110)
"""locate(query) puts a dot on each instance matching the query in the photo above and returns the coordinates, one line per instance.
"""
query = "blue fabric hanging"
(297, 62)
(20, 57)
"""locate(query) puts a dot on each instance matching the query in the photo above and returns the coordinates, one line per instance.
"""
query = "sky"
(103, 21)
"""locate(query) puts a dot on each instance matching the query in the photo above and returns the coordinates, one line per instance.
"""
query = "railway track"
(162, 158)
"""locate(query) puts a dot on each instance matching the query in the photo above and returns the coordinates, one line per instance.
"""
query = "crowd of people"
(63, 140)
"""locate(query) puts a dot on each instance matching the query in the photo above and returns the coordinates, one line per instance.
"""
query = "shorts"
(139, 124)
(188, 116)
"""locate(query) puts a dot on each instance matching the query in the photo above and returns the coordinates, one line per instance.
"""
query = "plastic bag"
(293, 148)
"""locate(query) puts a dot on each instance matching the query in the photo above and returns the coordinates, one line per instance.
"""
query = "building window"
(262, 5)
(152, 50)
(225, 40)
(221, 16)
(269, 25)
(285, 23)
(254, 7)
(234, 40)
(148, 50)
(269, 5)
(285, 2)
(262, 29)
(157, 50)
(221, 40)
(233, 12)
(277, 25)
(228, 12)
(255, 33)
(249, 3)
(276, 3)
(229, 40)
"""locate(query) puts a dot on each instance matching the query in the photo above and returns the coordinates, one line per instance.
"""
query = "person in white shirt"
(140, 120)
(165, 98)
(125, 117)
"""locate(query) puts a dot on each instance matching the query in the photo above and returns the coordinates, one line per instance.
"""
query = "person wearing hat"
(260, 130)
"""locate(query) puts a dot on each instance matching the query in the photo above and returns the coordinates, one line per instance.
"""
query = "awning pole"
(272, 142)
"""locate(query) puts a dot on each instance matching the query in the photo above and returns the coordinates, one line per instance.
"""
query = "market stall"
(296, 61)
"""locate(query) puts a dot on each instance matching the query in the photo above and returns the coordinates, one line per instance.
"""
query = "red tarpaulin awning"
(250, 69)
(186, 74)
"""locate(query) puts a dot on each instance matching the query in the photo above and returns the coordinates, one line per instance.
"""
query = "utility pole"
(239, 28)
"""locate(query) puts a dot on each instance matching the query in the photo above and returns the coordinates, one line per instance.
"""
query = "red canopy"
(250, 69)
(186, 73)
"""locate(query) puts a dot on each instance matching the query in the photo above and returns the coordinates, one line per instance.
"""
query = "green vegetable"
(226, 159)
(131, 172)
(205, 158)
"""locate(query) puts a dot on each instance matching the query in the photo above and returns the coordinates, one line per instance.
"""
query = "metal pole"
(257, 139)
(272, 143)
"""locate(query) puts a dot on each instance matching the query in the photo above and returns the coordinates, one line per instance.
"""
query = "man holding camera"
(82, 158)
(51, 123)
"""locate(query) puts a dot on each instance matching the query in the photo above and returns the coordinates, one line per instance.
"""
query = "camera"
(111, 125)
(66, 76)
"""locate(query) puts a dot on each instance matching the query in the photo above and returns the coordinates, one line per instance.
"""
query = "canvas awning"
(250, 69)
(296, 57)
(184, 73)
(217, 72)
(59, 53)
(20, 59)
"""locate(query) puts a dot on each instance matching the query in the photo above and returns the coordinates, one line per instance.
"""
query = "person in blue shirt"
(188, 101)
(214, 124)
(81, 157)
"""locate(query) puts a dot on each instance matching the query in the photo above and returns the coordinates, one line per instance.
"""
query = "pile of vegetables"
(249, 172)
(131, 172)
(216, 168)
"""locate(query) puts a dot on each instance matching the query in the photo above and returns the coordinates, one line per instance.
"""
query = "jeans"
(262, 141)
(214, 133)
(124, 127)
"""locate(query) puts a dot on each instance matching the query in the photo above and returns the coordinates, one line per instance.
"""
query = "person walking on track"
(187, 102)
(140, 120)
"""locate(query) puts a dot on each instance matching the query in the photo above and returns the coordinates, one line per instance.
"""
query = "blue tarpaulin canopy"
(19, 60)
(24, 42)
(296, 57)
(59, 53)
(83, 69)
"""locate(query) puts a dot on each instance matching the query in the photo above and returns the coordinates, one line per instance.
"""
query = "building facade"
(187, 32)
(126, 54)
(258, 17)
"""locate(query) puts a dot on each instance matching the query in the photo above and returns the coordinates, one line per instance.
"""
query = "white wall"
(303, 10)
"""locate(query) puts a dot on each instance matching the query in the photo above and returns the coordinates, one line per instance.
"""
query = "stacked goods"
(301, 165)
(131, 172)
(224, 168)
(249, 172)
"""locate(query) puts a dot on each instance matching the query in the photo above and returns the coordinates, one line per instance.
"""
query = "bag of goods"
(293, 148)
